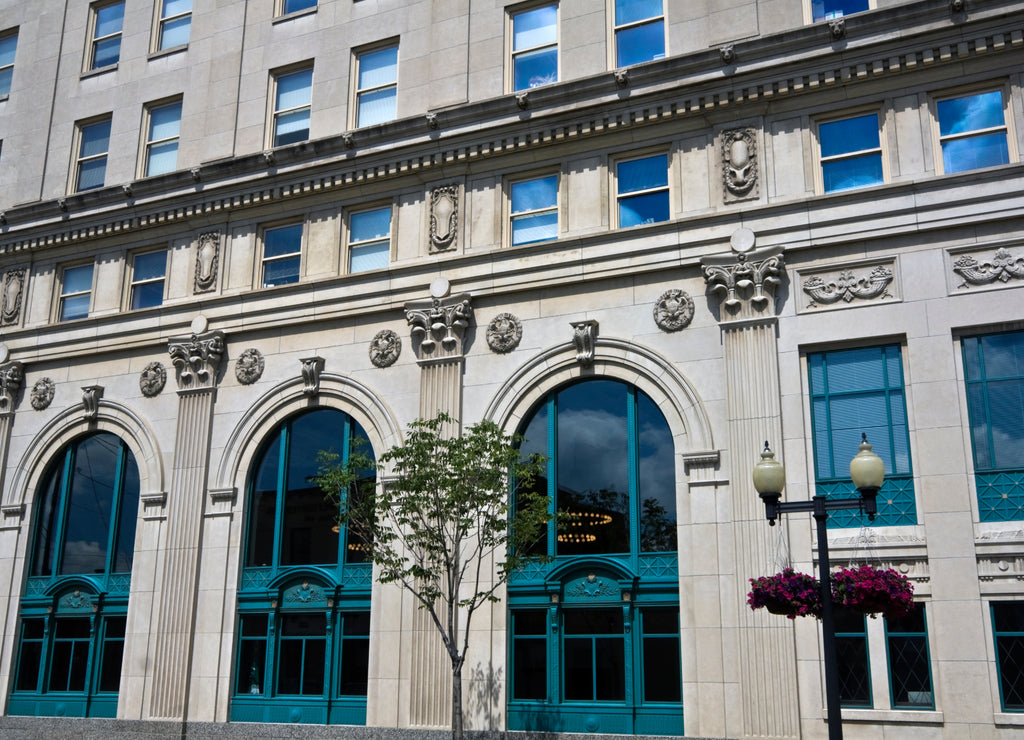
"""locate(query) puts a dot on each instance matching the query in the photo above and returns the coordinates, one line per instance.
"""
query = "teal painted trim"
(896, 503)
(115, 510)
(593, 719)
(1000, 495)
(997, 637)
(70, 705)
(552, 465)
(927, 657)
(861, 634)
(279, 494)
(635, 508)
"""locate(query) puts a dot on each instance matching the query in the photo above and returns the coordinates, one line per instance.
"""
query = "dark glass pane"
(70, 655)
(1006, 404)
(533, 622)
(263, 508)
(304, 625)
(593, 475)
(46, 522)
(124, 552)
(252, 654)
(1010, 654)
(662, 675)
(147, 295)
(592, 621)
(852, 658)
(579, 669)
(1008, 616)
(661, 621)
(113, 655)
(313, 668)
(610, 654)
(913, 622)
(254, 625)
(30, 655)
(355, 665)
(529, 665)
(289, 667)
(908, 670)
(657, 482)
(357, 624)
(87, 523)
(301, 664)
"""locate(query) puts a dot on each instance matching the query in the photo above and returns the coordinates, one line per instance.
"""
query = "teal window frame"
(845, 403)
(909, 661)
(853, 656)
(1008, 643)
(995, 407)
(58, 598)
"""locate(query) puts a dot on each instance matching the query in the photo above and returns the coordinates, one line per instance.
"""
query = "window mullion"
(552, 465)
(282, 479)
(115, 508)
(343, 530)
(58, 539)
(632, 443)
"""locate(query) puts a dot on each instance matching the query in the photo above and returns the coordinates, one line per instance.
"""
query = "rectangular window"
(147, 284)
(643, 195)
(354, 665)
(8, 45)
(105, 49)
(972, 131)
(252, 654)
(369, 240)
(534, 210)
(859, 391)
(851, 153)
(162, 138)
(69, 654)
(292, 97)
(593, 653)
(282, 254)
(994, 372)
(294, 6)
(906, 647)
(75, 292)
(112, 654)
(376, 86)
(302, 652)
(529, 654)
(639, 31)
(30, 655)
(175, 24)
(828, 9)
(661, 657)
(852, 658)
(1008, 635)
(535, 47)
(91, 164)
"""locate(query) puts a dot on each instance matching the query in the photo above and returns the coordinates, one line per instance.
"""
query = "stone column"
(12, 512)
(745, 279)
(438, 328)
(196, 359)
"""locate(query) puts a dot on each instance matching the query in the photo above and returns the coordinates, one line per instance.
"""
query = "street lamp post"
(867, 471)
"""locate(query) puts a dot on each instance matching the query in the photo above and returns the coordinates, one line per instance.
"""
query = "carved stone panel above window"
(848, 284)
(985, 268)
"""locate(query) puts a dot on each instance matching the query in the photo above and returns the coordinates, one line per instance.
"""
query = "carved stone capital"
(584, 336)
(91, 395)
(312, 367)
(197, 358)
(746, 277)
(12, 375)
(439, 321)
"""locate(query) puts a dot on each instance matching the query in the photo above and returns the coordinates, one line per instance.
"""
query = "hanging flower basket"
(870, 590)
(790, 593)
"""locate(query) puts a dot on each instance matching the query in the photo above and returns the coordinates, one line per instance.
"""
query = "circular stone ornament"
(440, 288)
(249, 366)
(152, 379)
(504, 333)
(42, 393)
(385, 347)
(674, 310)
(742, 240)
(199, 324)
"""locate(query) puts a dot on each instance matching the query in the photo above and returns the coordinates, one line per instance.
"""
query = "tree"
(442, 512)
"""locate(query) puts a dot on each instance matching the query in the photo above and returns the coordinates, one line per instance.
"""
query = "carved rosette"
(745, 279)
(312, 367)
(504, 332)
(152, 379)
(42, 393)
(848, 287)
(14, 289)
(196, 358)
(674, 310)
(1002, 266)
(444, 217)
(385, 347)
(739, 162)
(207, 260)
(249, 366)
(12, 374)
(584, 336)
(444, 320)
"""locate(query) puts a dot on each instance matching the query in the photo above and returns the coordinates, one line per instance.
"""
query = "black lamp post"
(867, 471)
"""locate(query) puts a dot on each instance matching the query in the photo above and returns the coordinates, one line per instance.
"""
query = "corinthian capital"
(439, 321)
(745, 278)
(197, 358)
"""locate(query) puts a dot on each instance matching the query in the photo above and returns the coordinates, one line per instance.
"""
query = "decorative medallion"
(249, 366)
(385, 347)
(444, 217)
(75, 600)
(591, 588)
(152, 379)
(674, 310)
(504, 333)
(1002, 266)
(42, 393)
(739, 162)
(14, 284)
(848, 287)
(304, 594)
(207, 259)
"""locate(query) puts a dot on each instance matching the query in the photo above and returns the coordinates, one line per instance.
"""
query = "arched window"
(595, 633)
(73, 611)
(304, 602)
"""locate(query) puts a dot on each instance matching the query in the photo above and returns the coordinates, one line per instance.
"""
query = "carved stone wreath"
(42, 393)
(152, 379)
(504, 332)
(674, 310)
(249, 366)
(385, 347)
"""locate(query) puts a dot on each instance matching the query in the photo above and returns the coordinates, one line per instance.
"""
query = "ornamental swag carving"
(674, 310)
(739, 162)
(14, 288)
(207, 259)
(504, 332)
(444, 217)
(848, 287)
(1002, 266)
(152, 379)
(385, 347)
(197, 358)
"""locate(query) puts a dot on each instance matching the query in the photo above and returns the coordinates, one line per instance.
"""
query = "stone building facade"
(648, 234)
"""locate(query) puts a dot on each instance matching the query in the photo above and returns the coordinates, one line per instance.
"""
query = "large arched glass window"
(594, 638)
(304, 602)
(73, 612)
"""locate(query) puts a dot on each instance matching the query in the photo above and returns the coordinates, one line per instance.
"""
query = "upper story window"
(106, 21)
(1008, 635)
(535, 47)
(147, 285)
(282, 255)
(162, 138)
(294, 6)
(851, 153)
(828, 9)
(639, 31)
(91, 163)
(534, 210)
(859, 391)
(75, 292)
(972, 131)
(994, 373)
(369, 239)
(292, 98)
(174, 24)
(8, 45)
(376, 86)
(642, 187)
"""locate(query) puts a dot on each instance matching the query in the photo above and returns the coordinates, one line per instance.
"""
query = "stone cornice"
(811, 62)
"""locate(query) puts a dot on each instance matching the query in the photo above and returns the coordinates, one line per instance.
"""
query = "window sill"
(909, 716)
(296, 14)
(99, 71)
(1008, 718)
(169, 51)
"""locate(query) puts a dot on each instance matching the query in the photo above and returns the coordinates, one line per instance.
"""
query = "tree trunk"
(457, 701)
